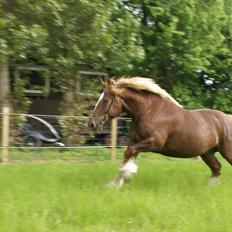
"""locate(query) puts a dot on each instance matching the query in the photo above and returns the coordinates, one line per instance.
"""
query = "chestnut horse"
(160, 124)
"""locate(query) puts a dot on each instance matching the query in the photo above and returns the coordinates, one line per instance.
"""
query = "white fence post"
(114, 128)
(5, 133)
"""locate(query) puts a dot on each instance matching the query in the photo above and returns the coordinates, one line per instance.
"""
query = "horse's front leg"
(153, 143)
(129, 167)
(125, 173)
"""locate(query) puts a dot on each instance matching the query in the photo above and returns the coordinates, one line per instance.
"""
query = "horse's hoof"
(214, 181)
(116, 184)
(127, 176)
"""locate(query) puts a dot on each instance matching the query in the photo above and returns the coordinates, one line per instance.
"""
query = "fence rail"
(19, 131)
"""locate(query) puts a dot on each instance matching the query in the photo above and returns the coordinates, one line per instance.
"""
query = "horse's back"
(216, 119)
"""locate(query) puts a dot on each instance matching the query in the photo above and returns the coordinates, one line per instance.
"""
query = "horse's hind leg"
(226, 151)
(215, 166)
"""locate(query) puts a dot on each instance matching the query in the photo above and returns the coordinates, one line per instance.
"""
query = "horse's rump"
(197, 132)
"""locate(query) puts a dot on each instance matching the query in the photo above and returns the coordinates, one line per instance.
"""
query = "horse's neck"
(137, 103)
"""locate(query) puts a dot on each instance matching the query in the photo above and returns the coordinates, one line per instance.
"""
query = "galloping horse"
(160, 124)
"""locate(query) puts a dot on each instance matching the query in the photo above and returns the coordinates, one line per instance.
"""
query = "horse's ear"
(110, 81)
(103, 82)
(112, 87)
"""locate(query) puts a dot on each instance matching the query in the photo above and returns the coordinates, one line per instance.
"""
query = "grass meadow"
(47, 191)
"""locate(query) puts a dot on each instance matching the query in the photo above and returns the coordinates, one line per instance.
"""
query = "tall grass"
(166, 195)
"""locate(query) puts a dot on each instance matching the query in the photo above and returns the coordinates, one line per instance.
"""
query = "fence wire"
(39, 131)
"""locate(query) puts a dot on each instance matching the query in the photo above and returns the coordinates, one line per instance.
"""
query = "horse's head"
(109, 106)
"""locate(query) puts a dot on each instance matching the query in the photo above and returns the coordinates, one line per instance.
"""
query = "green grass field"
(68, 193)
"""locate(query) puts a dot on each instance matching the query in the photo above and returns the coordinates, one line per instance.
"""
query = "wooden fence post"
(5, 132)
(114, 128)
(4, 100)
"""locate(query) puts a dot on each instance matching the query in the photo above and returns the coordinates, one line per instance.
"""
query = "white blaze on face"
(100, 98)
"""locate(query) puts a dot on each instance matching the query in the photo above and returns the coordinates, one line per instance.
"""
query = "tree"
(181, 37)
(172, 41)
(64, 33)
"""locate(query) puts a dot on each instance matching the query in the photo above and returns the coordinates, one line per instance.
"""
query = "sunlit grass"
(166, 195)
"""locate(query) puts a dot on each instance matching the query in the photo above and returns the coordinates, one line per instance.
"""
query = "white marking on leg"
(126, 173)
(117, 183)
(129, 169)
(214, 180)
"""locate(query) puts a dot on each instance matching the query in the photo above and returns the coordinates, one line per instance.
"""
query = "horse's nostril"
(91, 125)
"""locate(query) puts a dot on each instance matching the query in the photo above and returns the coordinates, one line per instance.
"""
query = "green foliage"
(74, 130)
(166, 40)
(181, 37)
(20, 102)
(64, 33)
(78, 105)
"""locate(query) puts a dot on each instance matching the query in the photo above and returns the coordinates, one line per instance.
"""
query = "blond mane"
(146, 84)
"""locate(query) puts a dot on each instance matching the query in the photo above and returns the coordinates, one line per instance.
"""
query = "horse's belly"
(189, 146)
(178, 154)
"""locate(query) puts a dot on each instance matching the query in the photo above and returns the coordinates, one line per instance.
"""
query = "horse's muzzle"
(92, 125)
